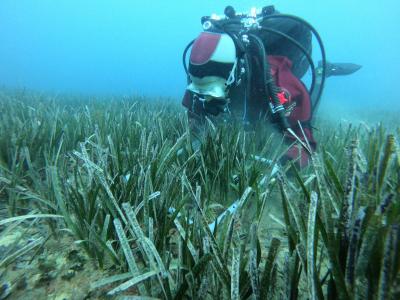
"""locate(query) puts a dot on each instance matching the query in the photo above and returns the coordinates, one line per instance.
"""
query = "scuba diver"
(252, 65)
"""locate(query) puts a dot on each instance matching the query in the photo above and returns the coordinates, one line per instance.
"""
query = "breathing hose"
(302, 49)
(248, 71)
(321, 45)
(242, 53)
(184, 56)
(269, 85)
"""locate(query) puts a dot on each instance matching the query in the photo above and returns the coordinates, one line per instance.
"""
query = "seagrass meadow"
(110, 199)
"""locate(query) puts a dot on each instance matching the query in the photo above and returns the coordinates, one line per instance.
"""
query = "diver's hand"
(214, 107)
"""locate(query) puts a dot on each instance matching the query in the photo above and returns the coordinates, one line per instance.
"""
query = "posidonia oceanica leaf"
(9, 259)
(147, 245)
(269, 263)
(150, 197)
(172, 151)
(334, 177)
(398, 154)
(302, 254)
(87, 161)
(217, 255)
(133, 267)
(229, 235)
(105, 227)
(111, 202)
(149, 250)
(290, 229)
(253, 266)
(299, 220)
(26, 217)
(350, 188)
(137, 298)
(109, 280)
(352, 251)
(184, 236)
(132, 282)
(235, 274)
(314, 286)
(384, 163)
(196, 272)
(300, 180)
(29, 194)
(389, 262)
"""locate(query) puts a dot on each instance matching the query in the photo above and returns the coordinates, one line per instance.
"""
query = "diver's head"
(212, 66)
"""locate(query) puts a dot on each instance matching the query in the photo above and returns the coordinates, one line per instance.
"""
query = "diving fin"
(339, 69)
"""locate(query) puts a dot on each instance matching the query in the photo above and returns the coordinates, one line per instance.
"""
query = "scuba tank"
(276, 44)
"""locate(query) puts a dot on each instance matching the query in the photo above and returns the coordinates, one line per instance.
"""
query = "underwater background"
(135, 47)
(105, 193)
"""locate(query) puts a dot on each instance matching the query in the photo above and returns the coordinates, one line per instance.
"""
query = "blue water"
(135, 47)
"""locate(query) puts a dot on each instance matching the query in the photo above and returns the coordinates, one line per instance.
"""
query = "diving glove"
(338, 69)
